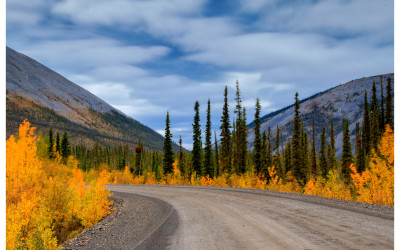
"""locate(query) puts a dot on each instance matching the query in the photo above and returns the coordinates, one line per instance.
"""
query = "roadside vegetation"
(55, 189)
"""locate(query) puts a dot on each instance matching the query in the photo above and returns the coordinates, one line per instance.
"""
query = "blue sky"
(149, 57)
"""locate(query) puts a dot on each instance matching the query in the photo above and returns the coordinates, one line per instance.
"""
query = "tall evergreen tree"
(360, 155)
(323, 163)
(197, 148)
(240, 138)
(217, 167)
(366, 131)
(65, 146)
(375, 135)
(208, 156)
(305, 155)
(257, 139)
(138, 158)
(313, 154)
(297, 152)
(382, 111)
(51, 143)
(287, 159)
(264, 148)
(347, 156)
(332, 149)
(276, 158)
(58, 143)
(181, 159)
(168, 159)
(389, 104)
(268, 155)
(225, 149)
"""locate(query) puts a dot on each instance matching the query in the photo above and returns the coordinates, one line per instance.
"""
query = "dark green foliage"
(239, 139)
(366, 131)
(58, 143)
(138, 158)
(225, 150)
(181, 159)
(258, 146)
(313, 154)
(382, 111)
(168, 153)
(208, 151)
(375, 134)
(304, 169)
(389, 104)
(65, 146)
(217, 167)
(360, 155)
(197, 144)
(287, 159)
(323, 162)
(347, 156)
(331, 149)
(297, 145)
(51, 143)
(276, 158)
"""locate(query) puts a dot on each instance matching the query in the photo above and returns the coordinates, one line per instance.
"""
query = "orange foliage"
(45, 199)
(376, 183)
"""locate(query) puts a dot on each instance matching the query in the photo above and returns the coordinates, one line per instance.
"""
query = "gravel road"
(183, 217)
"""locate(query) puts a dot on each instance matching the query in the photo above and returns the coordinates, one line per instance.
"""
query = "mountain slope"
(47, 99)
(345, 100)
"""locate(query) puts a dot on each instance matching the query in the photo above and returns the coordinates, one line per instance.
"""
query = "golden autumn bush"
(46, 201)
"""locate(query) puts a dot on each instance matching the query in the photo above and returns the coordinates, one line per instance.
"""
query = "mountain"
(46, 98)
(345, 100)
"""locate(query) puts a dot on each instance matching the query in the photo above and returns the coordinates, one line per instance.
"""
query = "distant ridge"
(345, 100)
(46, 98)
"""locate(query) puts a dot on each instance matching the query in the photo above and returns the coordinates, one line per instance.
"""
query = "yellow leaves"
(45, 199)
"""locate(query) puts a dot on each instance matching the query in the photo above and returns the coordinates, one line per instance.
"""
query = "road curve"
(233, 218)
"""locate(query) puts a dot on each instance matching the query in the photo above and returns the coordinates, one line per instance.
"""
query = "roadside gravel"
(133, 223)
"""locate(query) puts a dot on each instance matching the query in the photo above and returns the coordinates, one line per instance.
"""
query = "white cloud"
(93, 52)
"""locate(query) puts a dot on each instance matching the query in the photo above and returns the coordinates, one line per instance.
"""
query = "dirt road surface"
(182, 217)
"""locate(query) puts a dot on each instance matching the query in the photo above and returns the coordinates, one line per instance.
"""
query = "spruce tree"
(181, 160)
(347, 156)
(366, 131)
(225, 150)
(332, 156)
(239, 141)
(382, 111)
(268, 155)
(389, 104)
(276, 158)
(257, 140)
(58, 143)
(287, 159)
(297, 152)
(208, 156)
(305, 155)
(264, 147)
(217, 167)
(168, 158)
(65, 146)
(197, 148)
(323, 163)
(374, 119)
(313, 154)
(360, 156)
(138, 158)
(51, 143)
